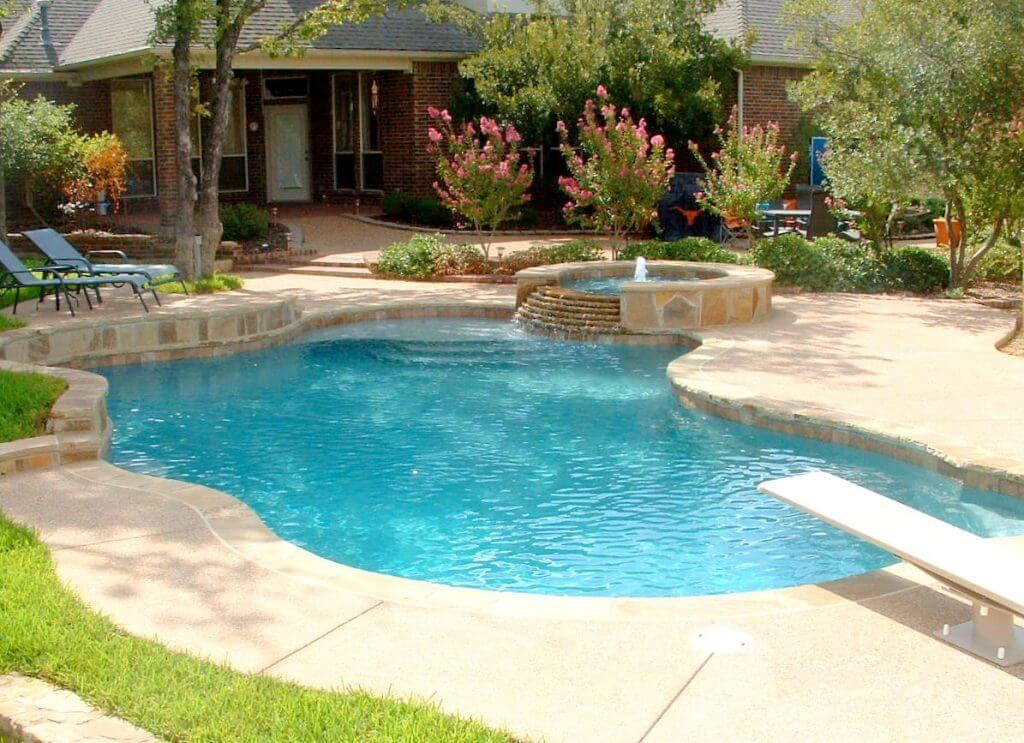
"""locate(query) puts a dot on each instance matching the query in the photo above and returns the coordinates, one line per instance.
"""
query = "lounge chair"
(61, 279)
(53, 245)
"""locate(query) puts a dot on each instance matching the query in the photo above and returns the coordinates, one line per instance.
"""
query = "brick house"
(348, 119)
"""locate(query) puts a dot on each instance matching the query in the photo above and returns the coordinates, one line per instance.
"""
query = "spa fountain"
(641, 298)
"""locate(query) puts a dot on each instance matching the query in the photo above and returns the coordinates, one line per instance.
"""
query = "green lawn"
(46, 632)
(25, 402)
(219, 282)
(9, 322)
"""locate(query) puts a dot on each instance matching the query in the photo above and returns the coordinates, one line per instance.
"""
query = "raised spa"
(469, 453)
(672, 297)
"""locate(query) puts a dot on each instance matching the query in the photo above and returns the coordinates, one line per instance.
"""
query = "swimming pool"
(468, 453)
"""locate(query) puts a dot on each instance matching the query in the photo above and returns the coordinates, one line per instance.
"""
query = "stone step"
(563, 293)
(568, 330)
(570, 315)
(573, 323)
(568, 306)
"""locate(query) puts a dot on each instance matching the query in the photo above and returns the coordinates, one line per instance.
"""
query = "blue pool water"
(471, 454)
(613, 285)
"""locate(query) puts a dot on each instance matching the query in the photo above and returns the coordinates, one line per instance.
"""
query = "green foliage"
(574, 251)
(25, 402)
(655, 56)
(699, 249)
(9, 322)
(244, 222)
(456, 259)
(916, 270)
(40, 141)
(404, 207)
(413, 259)
(931, 104)
(219, 282)
(1002, 263)
(50, 634)
(795, 262)
(835, 265)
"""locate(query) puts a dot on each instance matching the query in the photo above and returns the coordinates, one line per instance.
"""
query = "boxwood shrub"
(796, 262)
(412, 259)
(916, 270)
(244, 222)
(573, 251)
(688, 249)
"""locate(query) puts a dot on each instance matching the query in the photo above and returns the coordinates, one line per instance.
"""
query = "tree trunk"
(184, 225)
(213, 149)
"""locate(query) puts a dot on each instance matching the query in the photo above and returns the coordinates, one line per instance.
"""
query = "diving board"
(991, 576)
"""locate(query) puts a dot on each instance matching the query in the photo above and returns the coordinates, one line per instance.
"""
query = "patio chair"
(53, 245)
(61, 279)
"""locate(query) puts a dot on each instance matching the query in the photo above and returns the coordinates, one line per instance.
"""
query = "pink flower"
(435, 136)
(602, 92)
(657, 141)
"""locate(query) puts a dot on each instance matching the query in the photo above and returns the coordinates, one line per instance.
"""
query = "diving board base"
(991, 635)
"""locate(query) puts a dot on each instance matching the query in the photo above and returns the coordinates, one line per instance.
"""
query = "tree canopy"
(654, 56)
(940, 80)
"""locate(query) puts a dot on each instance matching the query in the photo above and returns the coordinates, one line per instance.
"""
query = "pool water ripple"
(468, 453)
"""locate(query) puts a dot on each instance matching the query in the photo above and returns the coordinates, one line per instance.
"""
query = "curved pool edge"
(240, 529)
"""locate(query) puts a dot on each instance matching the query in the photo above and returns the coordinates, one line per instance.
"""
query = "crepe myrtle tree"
(749, 168)
(220, 25)
(951, 87)
(481, 175)
(617, 171)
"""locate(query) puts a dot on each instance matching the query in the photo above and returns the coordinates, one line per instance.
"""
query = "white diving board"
(991, 576)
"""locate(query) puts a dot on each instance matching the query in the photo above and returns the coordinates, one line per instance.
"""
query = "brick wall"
(433, 84)
(165, 145)
(765, 98)
(396, 132)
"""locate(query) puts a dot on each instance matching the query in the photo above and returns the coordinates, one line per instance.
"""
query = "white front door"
(288, 153)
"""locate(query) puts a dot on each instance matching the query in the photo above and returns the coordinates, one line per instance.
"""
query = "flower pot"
(942, 231)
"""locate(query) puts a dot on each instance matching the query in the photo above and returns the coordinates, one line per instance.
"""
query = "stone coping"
(713, 274)
(239, 527)
(37, 712)
(78, 428)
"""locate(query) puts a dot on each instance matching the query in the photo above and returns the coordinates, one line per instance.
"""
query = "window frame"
(240, 86)
(147, 84)
(267, 96)
(364, 135)
(334, 136)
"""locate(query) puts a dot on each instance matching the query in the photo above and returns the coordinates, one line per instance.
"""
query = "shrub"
(432, 213)
(856, 269)
(917, 270)
(795, 262)
(412, 259)
(699, 249)
(1002, 263)
(456, 259)
(398, 205)
(574, 251)
(244, 222)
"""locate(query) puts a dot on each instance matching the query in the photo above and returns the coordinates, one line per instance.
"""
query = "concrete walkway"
(854, 658)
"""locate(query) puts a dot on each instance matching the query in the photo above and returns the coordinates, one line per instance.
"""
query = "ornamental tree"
(750, 168)
(953, 85)
(618, 171)
(481, 175)
(104, 165)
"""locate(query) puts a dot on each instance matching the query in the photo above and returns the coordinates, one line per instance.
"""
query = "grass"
(25, 402)
(46, 632)
(219, 282)
(9, 322)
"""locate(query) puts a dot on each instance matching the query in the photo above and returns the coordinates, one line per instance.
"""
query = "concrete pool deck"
(192, 568)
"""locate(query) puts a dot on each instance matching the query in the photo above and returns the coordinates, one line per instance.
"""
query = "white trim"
(148, 82)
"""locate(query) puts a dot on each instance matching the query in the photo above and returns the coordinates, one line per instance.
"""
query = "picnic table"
(780, 215)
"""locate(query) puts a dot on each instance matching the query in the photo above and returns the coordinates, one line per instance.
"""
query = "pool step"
(554, 310)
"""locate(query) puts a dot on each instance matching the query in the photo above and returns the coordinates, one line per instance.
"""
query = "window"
(372, 156)
(234, 164)
(285, 88)
(345, 132)
(131, 106)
